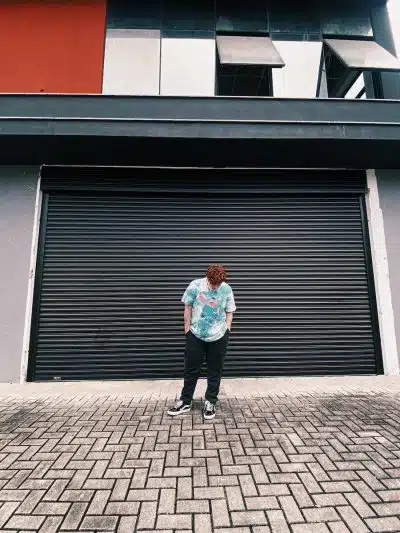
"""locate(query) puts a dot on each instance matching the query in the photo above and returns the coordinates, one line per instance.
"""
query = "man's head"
(216, 275)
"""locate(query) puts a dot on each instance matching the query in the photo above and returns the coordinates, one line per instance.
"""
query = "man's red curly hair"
(216, 274)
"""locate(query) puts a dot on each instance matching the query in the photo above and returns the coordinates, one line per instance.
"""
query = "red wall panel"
(52, 46)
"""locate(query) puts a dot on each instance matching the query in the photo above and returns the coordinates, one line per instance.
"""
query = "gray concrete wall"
(17, 208)
(389, 196)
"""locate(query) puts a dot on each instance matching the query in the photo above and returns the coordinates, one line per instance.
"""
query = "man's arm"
(229, 318)
(188, 317)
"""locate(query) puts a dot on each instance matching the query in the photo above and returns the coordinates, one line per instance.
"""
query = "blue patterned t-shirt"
(209, 308)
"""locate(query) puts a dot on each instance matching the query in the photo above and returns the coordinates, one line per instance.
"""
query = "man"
(209, 308)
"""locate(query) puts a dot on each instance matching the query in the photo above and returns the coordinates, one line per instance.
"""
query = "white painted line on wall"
(31, 284)
(381, 276)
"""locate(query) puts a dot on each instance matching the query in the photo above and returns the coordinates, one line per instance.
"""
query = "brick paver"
(288, 461)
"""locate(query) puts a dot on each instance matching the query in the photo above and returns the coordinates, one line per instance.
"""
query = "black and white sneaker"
(209, 410)
(179, 408)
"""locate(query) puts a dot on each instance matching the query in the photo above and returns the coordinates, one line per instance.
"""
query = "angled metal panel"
(248, 50)
(363, 55)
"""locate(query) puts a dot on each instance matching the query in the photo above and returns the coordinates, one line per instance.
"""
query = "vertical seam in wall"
(31, 284)
(161, 40)
(381, 276)
(103, 91)
(104, 46)
(160, 66)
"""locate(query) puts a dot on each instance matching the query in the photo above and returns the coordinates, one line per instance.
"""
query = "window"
(344, 18)
(244, 65)
(294, 20)
(346, 59)
(242, 17)
(134, 15)
(191, 19)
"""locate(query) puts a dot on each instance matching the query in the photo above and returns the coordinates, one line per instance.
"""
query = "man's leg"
(215, 355)
(194, 357)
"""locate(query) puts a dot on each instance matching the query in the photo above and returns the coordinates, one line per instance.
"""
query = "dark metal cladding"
(210, 131)
(120, 247)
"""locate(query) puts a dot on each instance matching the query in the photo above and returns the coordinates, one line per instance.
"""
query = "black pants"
(214, 352)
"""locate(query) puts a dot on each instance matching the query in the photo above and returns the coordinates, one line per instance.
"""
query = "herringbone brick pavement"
(312, 463)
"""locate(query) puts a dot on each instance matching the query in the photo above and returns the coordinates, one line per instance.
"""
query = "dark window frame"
(348, 76)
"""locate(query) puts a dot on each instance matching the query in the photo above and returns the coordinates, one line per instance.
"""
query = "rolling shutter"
(114, 266)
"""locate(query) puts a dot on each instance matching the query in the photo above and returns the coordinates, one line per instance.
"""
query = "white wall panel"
(132, 62)
(299, 78)
(187, 67)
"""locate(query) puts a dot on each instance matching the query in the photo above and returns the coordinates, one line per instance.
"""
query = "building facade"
(143, 141)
